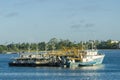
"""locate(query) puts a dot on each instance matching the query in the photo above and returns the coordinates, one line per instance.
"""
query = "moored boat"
(86, 58)
(35, 60)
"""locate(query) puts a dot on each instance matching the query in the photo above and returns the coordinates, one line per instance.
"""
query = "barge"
(34, 60)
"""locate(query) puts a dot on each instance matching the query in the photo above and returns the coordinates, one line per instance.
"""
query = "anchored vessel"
(28, 59)
(86, 58)
(70, 57)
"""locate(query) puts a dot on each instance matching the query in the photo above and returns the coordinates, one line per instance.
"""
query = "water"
(109, 70)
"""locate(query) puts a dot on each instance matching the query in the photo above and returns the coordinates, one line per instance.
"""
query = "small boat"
(86, 58)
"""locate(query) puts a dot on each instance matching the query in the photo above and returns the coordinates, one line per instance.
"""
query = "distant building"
(113, 41)
(119, 46)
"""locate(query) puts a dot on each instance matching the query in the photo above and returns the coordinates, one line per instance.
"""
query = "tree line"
(58, 44)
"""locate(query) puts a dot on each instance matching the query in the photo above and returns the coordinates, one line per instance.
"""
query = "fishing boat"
(86, 58)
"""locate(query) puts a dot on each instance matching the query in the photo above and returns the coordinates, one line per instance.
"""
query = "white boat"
(86, 58)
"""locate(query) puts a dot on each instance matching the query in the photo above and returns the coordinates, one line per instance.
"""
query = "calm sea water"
(109, 70)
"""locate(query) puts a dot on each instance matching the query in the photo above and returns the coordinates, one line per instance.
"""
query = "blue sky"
(76, 20)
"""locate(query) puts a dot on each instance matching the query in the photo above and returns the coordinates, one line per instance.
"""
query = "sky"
(76, 20)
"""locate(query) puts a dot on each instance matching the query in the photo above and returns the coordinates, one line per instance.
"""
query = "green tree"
(41, 46)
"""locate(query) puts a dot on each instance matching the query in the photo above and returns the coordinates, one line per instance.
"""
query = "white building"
(119, 45)
(112, 41)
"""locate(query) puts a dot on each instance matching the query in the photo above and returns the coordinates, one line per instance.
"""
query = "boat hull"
(95, 61)
(34, 64)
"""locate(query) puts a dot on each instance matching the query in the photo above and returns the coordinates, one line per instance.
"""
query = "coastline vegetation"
(55, 44)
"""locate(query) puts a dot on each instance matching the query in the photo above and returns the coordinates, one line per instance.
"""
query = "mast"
(28, 48)
(82, 45)
(37, 50)
(92, 45)
(46, 47)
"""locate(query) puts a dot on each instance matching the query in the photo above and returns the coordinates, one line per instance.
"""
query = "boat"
(86, 58)
(68, 57)
(35, 60)
(27, 59)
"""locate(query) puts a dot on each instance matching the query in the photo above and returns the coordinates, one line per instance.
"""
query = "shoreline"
(44, 51)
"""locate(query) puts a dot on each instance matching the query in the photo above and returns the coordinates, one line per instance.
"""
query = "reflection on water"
(95, 67)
